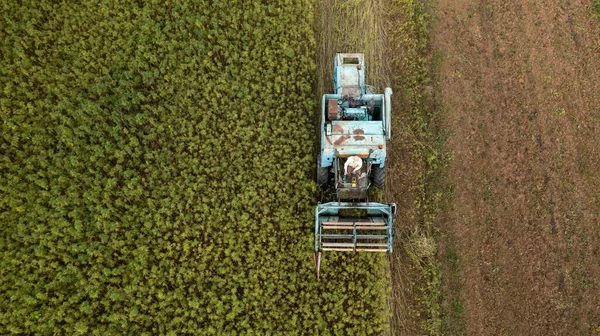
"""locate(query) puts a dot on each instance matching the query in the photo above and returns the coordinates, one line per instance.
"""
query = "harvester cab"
(355, 121)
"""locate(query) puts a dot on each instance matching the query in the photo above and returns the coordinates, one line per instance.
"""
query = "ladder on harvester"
(372, 232)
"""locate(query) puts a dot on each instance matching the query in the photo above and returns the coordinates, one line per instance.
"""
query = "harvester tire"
(322, 173)
(378, 176)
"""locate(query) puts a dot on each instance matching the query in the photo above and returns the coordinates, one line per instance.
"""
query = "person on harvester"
(355, 163)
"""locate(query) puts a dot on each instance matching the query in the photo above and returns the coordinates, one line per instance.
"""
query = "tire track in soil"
(520, 84)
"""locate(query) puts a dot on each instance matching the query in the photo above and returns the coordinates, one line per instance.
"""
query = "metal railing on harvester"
(369, 229)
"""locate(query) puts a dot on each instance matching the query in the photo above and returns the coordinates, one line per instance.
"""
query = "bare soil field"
(520, 92)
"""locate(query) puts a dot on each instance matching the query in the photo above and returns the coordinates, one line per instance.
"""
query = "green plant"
(151, 182)
(596, 5)
(428, 159)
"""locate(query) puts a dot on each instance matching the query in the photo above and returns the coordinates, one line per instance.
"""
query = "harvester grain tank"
(355, 122)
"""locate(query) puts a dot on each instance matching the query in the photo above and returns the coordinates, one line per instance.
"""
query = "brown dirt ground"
(520, 84)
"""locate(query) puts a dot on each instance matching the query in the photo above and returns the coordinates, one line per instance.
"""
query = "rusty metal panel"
(357, 127)
(368, 141)
(332, 109)
(361, 152)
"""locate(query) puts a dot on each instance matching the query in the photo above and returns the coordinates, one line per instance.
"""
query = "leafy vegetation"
(596, 5)
(156, 174)
(412, 56)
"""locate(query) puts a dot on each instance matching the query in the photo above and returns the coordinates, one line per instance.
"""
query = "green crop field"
(156, 174)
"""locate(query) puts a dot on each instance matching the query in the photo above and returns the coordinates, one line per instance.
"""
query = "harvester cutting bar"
(351, 245)
(353, 250)
(353, 223)
(351, 236)
(369, 229)
(361, 227)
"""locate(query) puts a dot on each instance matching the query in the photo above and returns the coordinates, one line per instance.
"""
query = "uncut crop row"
(156, 174)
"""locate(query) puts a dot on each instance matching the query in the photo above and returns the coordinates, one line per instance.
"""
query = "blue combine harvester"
(355, 126)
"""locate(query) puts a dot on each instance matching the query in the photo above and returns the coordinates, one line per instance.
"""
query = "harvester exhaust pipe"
(388, 114)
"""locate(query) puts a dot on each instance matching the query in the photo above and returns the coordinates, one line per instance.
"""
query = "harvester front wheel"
(322, 173)
(378, 176)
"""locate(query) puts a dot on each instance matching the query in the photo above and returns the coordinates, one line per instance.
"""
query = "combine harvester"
(355, 126)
